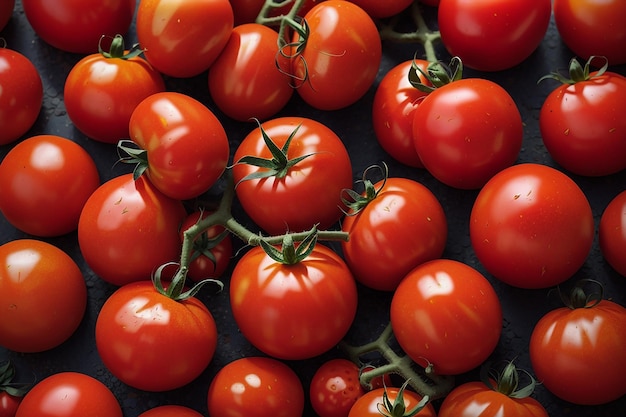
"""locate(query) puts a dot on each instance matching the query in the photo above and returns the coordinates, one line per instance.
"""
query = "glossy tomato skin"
(9, 404)
(531, 226)
(137, 324)
(38, 313)
(170, 411)
(611, 233)
(569, 348)
(246, 11)
(147, 220)
(582, 125)
(341, 58)
(310, 193)
(101, 93)
(592, 27)
(441, 309)
(493, 35)
(244, 81)
(478, 400)
(187, 146)
(380, 9)
(22, 95)
(256, 387)
(394, 104)
(368, 404)
(183, 39)
(6, 11)
(202, 267)
(69, 394)
(467, 131)
(403, 227)
(294, 302)
(76, 26)
(45, 182)
(335, 388)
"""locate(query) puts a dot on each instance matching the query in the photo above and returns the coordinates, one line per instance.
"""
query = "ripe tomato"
(340, 58)
(592, 27)
(467, 131)
(293, 197)
(6, 11)
(369, 404)
(380, 9)
(393, 108)
(186, 145)
(582, 126)
(531, 226)
(493, 35)
(127, 229)
(11, 392)
(170, 411)
(403, 226)
(102, 90)
(183, 38)
(247, 11)
(22, 95)
(244, 81)
(256, 387)
(291, 301)
(571, 347)
(9, 404)
(446, 314)
(137, 324)
(335, 388)
(45, 182)
(38, 313)
(69, 394)
(612, 233)
(77, 25)
(213, 250)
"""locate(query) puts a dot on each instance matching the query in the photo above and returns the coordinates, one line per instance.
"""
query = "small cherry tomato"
(612, 233)
(335, 387)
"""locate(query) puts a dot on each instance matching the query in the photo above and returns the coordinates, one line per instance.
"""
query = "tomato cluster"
(212, 219)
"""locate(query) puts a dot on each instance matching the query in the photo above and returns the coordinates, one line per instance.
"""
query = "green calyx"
(130, 153)
(117, 50)
(577, 72)
(290, 253)
(437, 73)
(357, 202)
(579, 297)
(279, 165)
(397, 408)
(507, 382)
(7, 373)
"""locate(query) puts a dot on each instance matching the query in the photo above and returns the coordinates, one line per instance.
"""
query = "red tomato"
(582, 126)
(6, 11)
(38, 313)
(127, 229)
(401, 228)
(308, 192)
(102, 90)
(531, 226)
(45, 182)
(394, 105)
(183, 38)
(467, 131)
(247, 11)
(381, 9)
(213, 250)
(493, 35)
(69, 394)
(244, 81)
(170, 411)
(340, 58)
(186, 145)
(446, 314)
(592, 27)
(335, 388)
(291, 301)
(256, 387)
(77, 25)
(22, 95)
(137, 324)
(612, 233)
(369, 404)
(9, 404)
(578, 353)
